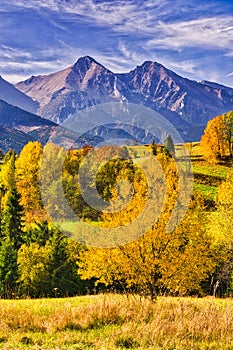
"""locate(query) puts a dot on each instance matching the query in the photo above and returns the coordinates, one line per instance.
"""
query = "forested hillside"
(195, 257)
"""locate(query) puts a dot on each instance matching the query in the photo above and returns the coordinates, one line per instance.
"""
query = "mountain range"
(187, 104)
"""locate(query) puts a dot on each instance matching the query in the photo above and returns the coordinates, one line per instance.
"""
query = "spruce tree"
(63, 270)
(12, 219)
(8, 269)
(154, 148)
(169, 146)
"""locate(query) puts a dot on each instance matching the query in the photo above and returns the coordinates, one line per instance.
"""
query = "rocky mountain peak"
(30, 80)
(186, 103)
(150, 65)
(85, 63)
(87, 73)
(150, 79)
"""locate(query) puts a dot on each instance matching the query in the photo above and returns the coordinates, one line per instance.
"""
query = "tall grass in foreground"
(116, 322)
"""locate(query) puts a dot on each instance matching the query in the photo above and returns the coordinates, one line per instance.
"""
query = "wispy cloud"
(130, 15)
(189, 66)
(30, 4)
(211, 32)
(10, 53)
(15, 71)
(120, 34)
(228, 54)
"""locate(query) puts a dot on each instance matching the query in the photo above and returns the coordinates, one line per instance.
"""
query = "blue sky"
(192, 38)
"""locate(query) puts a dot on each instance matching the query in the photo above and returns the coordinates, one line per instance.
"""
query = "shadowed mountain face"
(13, 96)
(187, 104)
(14, 117)
(18, 127)
(13, 139)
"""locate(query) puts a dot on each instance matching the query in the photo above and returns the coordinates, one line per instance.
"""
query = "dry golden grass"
(116, 322)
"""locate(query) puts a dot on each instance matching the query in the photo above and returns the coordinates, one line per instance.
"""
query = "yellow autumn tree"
(27, 174)
(220, 228)
(51, 185)
(175, 261)
(228, 127)
(7, 176)
(33, 263)
(217, 140)
(213, 141)
(221, 224)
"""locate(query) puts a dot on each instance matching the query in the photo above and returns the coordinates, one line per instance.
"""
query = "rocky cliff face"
(187, 104)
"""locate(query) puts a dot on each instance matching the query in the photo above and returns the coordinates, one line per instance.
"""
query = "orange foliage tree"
(213, 141)
(217, 140)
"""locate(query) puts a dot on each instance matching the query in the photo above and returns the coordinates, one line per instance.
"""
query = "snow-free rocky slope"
(187, 104)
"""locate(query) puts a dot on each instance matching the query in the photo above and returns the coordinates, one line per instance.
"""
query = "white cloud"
(28, 4)
(228, 54)
(130, 55)
(124, 16)
(215, 32)
(134, 31)
(7, 52)
(14, 78)
(142, 18)
(188, 66)
(126, 53)
(29, 65)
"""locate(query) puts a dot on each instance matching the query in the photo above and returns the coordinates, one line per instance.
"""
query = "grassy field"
(207, 175)
(116, 322)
